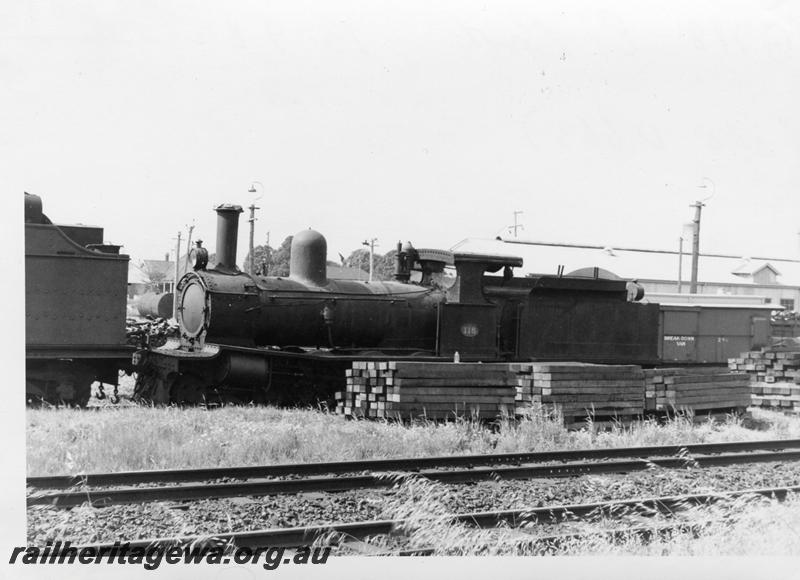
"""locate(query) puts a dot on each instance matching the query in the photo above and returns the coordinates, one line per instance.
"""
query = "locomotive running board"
(172, 348)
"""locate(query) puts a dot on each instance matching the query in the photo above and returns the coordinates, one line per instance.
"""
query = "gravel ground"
(130, 522)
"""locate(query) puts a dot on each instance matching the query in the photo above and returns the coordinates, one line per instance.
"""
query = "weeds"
(131, 438)
(739, 526)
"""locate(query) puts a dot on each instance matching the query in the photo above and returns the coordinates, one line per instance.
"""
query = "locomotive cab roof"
(493, 262)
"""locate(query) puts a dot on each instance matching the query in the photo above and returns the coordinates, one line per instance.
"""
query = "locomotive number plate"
(469, 330)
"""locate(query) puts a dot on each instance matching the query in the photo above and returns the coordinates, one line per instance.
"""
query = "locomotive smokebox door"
(470, 329)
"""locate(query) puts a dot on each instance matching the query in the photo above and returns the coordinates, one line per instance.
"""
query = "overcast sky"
(413, 120)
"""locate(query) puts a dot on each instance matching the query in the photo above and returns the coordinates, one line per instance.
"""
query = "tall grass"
(132, 438)
(736, 527)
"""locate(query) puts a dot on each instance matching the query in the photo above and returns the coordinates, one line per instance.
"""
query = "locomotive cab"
(469, 321)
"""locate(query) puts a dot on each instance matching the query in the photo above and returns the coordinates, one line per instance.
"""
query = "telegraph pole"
(189, 246)
(698, 206)
(680, 264)
(517, 226)
(371, 244)
(175, 281)
(252, 221)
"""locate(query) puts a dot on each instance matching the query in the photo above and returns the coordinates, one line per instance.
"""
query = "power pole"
(698, 206)
(252, 220)
(371, 244)
(680, 264)
(253, 208)
(517, 226)
(175, 281)
(189, 247)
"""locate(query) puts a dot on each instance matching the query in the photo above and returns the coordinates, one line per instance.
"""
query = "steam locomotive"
(254, 338)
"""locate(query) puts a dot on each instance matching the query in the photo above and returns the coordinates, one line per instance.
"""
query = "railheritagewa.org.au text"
(151, 557)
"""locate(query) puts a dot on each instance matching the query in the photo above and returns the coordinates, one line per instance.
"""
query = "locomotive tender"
(246, 337)
(75, 296)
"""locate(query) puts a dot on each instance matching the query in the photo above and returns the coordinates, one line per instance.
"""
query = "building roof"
(633, 263)
(748, 267)
(136, 275)
(164, 270)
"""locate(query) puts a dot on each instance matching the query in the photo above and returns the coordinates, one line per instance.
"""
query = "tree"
(279, 263)
(269, 261)
(385, 266)
(382, 266)
(156, 275)
(358, 259)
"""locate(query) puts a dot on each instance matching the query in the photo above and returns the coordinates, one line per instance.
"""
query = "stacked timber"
(576, 391)
(700, 390)
(582, 390)
(776, 396)
(524, 397)
(435, 390)
(769, 365)
(774, 372)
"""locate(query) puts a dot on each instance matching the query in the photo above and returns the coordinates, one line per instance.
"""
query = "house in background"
(138, 281)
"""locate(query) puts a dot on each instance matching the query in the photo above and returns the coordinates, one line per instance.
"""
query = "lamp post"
(252, 220)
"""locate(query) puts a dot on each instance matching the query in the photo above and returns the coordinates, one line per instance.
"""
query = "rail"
(400, 464)
(106, 497)
(300, 536)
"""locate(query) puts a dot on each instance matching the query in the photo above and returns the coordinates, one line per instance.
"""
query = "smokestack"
(227, 234)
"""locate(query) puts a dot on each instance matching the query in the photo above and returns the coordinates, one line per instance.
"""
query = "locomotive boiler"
(304, 310)
(290, 339)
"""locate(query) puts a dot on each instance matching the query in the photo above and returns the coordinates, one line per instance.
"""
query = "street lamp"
(252, 221)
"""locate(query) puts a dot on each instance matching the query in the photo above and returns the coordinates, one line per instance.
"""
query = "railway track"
(551, 544)
(335, 533)
(459, 469)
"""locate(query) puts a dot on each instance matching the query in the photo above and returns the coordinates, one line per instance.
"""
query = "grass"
(132, 438)
(129, 438)
(745, 526)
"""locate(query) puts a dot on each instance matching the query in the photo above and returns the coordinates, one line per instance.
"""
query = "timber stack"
(580, 391)
(701, 391)
(774, 373)
(573, 391)
(433, 390)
